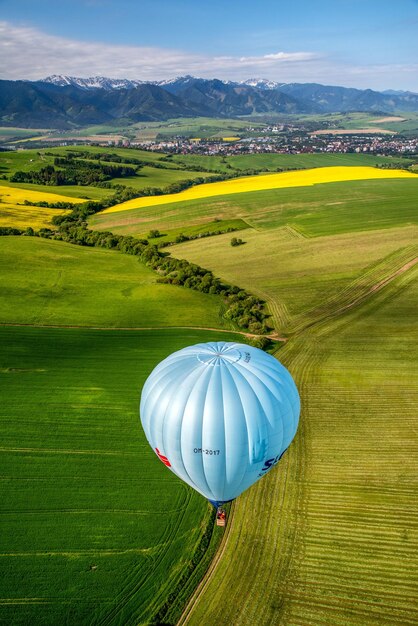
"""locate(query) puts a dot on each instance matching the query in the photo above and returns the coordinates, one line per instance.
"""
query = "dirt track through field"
(379, 285)
(272, 337)
(209, 573)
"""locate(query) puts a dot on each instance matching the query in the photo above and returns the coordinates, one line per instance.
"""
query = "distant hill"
(344, 99)
(231, 99)
(66, 102)
(46, 105)
(93, 82)
(305, 97)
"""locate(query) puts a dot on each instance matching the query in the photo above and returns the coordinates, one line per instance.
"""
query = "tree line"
(73, 172)
(242, 308)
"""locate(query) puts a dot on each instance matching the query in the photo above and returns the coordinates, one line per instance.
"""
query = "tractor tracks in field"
(273, 336)
(370, 282)
(306, 363)
(210, 572)
(377, 286)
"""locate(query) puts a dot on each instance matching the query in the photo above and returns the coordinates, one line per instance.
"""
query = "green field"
(96, 531)
(148, 176)
(202, 127)
(9, 133)
(331, 536)
(407, 124)
(94, 528)
(314, 211)
(272, 162)
(155, 177)
(48, 282)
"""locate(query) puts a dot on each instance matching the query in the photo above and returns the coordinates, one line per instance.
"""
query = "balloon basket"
(220, 517)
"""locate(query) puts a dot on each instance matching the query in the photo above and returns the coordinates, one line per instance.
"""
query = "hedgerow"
(242, 308)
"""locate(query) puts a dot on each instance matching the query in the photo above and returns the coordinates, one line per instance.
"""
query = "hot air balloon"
(220, 415)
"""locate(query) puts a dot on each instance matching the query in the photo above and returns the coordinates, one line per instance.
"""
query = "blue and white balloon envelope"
(220, 415)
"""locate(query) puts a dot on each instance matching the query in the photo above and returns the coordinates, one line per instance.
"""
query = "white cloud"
(28, 53)
(31, 54)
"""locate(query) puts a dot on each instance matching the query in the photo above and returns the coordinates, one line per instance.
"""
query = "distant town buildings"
(292, 142)
(275, 138)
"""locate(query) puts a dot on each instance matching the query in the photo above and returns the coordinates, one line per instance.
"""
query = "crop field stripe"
(345, 544)
(201, 588)
(86, 505)
(248, 335)
(16, 195)
(265, 182)
(370, 281)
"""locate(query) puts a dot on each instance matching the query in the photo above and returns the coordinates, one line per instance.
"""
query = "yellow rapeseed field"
(300, 178)
(14, 213)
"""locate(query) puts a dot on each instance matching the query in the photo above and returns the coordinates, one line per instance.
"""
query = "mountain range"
(66, 102)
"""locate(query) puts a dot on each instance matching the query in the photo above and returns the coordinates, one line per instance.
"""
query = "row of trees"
(207, 233)
(103, 156)
(50, 205)
(242, 308)
(117, 158)
(73, 172)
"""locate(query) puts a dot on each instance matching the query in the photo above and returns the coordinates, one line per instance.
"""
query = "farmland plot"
(330, 537)
(249, 184)
(323, 209)
(94, 528)
(50, 282)
(14, 212)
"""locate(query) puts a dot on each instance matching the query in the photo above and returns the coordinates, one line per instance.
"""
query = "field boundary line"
(359, 299)
(210, 572)
(379, 285)
(59, 451)
(294, 232)
(272, 336)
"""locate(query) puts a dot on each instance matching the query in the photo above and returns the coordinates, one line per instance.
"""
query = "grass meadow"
(286, 161)
(330, 537)
(94, 528)
(405, 123)
(265, 182)
(300, 277)
(199, 127)
(97, 531)
(46, 282)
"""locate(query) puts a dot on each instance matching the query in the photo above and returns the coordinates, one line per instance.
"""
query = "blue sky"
(357, 43)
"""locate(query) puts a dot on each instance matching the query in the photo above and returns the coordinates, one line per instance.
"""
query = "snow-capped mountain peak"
(178, 79)
(93, 82)
(260, 83)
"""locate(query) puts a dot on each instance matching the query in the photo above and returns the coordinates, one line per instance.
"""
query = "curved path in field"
(272, 337)
(241, 527)
(201, 588)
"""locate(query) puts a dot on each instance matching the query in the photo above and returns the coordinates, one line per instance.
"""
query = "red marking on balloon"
(163, 458)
